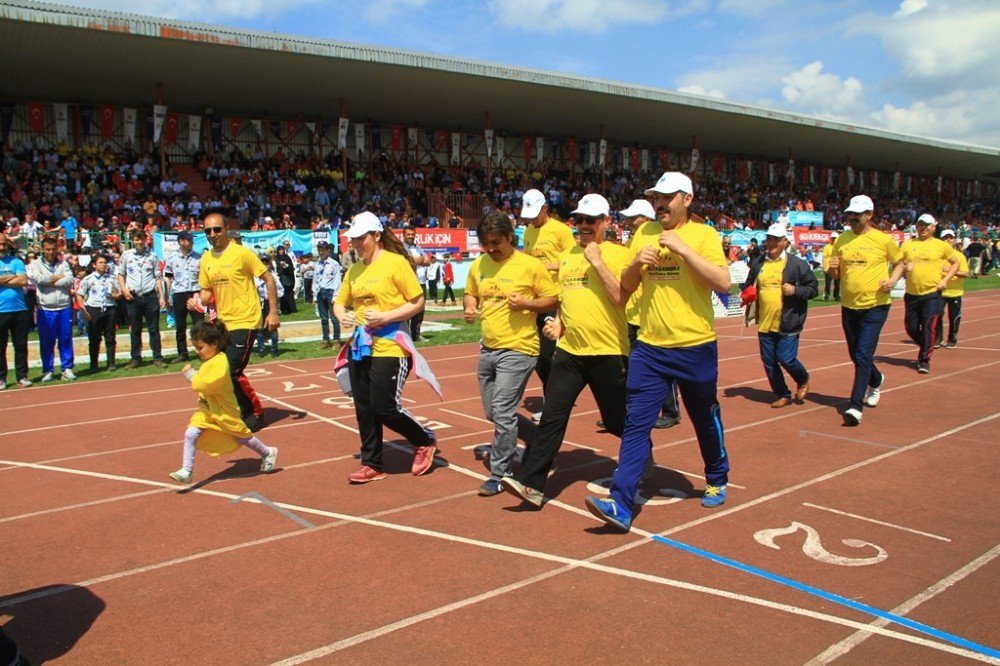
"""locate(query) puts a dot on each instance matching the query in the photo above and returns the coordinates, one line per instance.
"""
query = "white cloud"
(701, 90)
(963, 116)
(907, 7)
(745, 77)
(811, 90)
(579, 15)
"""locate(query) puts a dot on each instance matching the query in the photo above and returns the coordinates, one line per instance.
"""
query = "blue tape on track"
(836, 598)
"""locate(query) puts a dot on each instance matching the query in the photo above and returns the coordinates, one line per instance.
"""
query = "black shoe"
(665, 422)
(133, 364)
(253, 423)
(112, 367)
(600, 424)
(923, 368)
(159, 363)
(183, 357)
(274, 354)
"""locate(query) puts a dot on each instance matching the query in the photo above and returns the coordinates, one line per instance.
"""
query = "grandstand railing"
(469, 207)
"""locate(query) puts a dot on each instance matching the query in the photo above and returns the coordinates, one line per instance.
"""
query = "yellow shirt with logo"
(492, 282)
(675, 309)
(594, 325)
(827, 253)
(927, 257)
(864, 262)
(632, 307)
(385, 284)
(549, 241)
(230, 277)
(956, 287)
(769, 296)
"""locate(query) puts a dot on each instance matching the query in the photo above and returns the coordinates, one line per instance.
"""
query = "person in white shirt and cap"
(783, 285)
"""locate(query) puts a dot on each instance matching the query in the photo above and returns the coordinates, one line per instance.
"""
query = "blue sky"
(923, 67)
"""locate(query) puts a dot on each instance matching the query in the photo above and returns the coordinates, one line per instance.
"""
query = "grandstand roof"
(90, 56)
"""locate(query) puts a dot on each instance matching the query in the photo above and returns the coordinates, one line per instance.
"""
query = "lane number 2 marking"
(813, 547)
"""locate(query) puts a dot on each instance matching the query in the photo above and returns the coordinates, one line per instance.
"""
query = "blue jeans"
(650, 373)
(862, 328)
(777, 351)
(324, 304)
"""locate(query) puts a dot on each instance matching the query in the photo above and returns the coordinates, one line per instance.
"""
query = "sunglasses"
(211, 231)
(586, 219)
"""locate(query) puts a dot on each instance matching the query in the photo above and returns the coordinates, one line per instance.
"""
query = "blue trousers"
(862, 329)
(324, 304)
(55, 326)
(777, 351)
(650, 373)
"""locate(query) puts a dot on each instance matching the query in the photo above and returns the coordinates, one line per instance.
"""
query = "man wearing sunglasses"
(592, 347)
(227, 277)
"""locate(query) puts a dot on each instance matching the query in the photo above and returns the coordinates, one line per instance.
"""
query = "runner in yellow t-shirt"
(383, 293)
(226, 275)
(924, 256)
(507, 288)
(828, 280)
(545, 238)
(861, 259)
(679, 265)
(952, 295)
(592, 347)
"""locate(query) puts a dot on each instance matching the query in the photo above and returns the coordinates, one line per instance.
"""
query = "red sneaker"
(423, 459)
(366, 474)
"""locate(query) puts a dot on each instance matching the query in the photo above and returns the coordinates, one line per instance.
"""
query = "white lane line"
(804, 433)
(292, 368)
(464, 415)
(80, 423)
(69, 507)
(877, 522)
(843, 647)
(581, 446)
(307, 412)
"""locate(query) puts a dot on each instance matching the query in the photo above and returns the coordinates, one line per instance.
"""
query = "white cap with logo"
(948, 232)
(778, 230)
(672, 182)
(926, 218)
(639, 207)
(363, 223)
(860, 204)
(592, 205)
(531, 204)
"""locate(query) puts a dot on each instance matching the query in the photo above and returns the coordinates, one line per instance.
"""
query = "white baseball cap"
(860, 204)
(592, 205)
(671, 182)
(531, 204)
(778, 230)
(834, 234)
(948, 232)
(363, 223)
(926, 218)
(639, 207)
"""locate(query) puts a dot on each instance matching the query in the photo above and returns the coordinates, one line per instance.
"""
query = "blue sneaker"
(490, 488)
(170, 321)
(608, 510)
(714, 496)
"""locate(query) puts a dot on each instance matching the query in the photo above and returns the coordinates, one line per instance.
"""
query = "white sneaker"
(267, 462)
(47, 377)
(68, 375)
(181, 476)
(24, 383)
(874, 394)
(3, 386)
(852, 416)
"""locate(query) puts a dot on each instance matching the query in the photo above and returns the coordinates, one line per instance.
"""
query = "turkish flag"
(170, 129)
(571, 149)
(397, 138)
(291, 126)
(717, 162)
(634, 154)
(234, 125)
(527, 149)
(36, 116)
(665, 159)
(440, 140)
(107, 121)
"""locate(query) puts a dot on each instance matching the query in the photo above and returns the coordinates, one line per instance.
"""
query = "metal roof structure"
(64, 54)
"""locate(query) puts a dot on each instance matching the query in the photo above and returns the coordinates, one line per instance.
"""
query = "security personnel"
(181, 274)
(98, 296)
(142, 287)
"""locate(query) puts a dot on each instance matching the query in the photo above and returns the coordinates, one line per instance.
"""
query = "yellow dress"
(218, 414)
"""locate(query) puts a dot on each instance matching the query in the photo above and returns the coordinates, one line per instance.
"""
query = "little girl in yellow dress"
(216, 427)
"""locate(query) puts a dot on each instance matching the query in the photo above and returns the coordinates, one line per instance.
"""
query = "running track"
(106, 561)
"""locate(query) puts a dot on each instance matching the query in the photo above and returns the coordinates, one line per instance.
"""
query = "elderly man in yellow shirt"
(507, 288)
(861, 259)
(952, 294)
(545, 238)
(924, 256)
(592, 348)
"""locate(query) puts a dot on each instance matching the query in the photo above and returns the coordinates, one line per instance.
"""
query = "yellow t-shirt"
(230, 277)
(864, 263)
(491, 283)
(385, 284)
(926, 256)
(769, 296)
(632, 307)
(217, 406)
(594, 325)
(827, 253)
(957, 285)
(549, 241)
(675, 309)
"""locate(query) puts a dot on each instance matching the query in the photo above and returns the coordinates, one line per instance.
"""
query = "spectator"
(141, 285)
(54, 280)
(13, 313)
